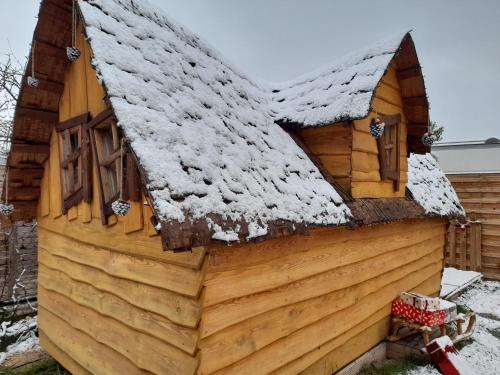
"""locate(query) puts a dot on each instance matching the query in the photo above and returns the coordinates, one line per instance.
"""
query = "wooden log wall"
(332, 145)
(480, 196)
(366, 182)
(312, 304)
(110, 299)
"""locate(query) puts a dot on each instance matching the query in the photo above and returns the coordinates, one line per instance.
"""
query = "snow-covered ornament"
(6, 209)
(31, 80)
(121, 207)
(377, 127)
(428, 139)
(72, 52)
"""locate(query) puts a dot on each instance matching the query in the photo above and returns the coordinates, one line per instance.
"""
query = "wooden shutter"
(389, 150)
(75, 159)
(106, 149)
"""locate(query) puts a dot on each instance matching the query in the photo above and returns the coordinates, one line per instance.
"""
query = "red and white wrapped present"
(446, 357)
(411, 313)
(420, 301)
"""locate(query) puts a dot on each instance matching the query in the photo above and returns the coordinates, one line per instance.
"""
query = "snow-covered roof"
(202, 132)
(430, 187)
(339, 92)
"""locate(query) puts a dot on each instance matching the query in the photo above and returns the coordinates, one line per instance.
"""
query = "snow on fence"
(463, 250)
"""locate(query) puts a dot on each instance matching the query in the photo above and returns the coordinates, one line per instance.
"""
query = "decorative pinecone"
(428, 139)
(120, 207)
(73, 53)
(32, 82)
(377, 128)
(6, 209)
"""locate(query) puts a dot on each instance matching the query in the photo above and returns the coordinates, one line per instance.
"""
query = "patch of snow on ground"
(27, 340)
(482, 353)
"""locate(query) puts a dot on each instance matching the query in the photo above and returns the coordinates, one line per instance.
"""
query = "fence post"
(463, 247)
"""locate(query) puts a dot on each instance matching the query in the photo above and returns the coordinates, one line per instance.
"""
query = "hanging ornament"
(72, 52)
(6, 208)
(377, 127)
(31, 80)
(428, 139)
(121, 207)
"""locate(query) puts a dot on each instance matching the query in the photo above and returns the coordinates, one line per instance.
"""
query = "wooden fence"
(463, 250)
(480, 196)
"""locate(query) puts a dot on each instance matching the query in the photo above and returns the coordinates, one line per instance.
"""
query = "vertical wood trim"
(452, 242)
(104, 218)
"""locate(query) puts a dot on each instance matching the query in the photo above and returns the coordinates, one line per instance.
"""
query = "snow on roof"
(430, 187)
(203, 133)
(339, 92)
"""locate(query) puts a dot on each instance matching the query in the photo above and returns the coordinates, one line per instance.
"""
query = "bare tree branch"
(11, 72)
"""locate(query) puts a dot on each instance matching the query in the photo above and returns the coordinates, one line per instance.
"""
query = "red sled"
(447, 358)
(413, 314)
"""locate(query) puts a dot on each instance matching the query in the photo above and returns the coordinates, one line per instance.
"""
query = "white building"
(469, 157)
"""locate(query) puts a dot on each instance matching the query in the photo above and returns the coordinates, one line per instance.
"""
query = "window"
(73, 145)
(389, 150)
(108, 161)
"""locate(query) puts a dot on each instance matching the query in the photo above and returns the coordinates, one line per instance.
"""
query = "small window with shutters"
(112, 163)
(389, 150)
(75, 159)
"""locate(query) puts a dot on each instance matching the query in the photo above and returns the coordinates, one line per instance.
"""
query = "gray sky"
(458, 43)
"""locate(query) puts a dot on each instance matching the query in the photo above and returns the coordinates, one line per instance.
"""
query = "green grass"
(392, 367)
(47, 367)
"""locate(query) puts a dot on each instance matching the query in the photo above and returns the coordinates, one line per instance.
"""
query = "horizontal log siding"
(111, 301)
(332, 145)
(480, 196)
(286, 304)
(365, 179)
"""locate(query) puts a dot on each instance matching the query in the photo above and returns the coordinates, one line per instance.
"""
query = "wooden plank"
(83, 349)
(134, 220)
(462, 250)
(314, 335)
(364, 162)
(225, 258)
(112, 306)
(114, 239)
(60, 356)
(323, 291)
(22, 148)
(177, 279)
(452, 241)
(383, 189)
(337, 165)
(44, 202)
(179, 309)
(144, 351)
(55, 179)
(364, 142)
(373, 176)
(353, 348)
(223, 286)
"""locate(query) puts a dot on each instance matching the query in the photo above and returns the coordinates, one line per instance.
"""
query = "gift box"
(446, 357)
(420, 301)
(450, 310)
(411, 313)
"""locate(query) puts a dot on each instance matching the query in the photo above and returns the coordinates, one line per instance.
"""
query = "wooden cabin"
(268, 230)
(473, 167)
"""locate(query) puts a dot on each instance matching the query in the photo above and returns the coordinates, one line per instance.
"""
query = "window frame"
(387, 171)
(124, 162)
(71, 193)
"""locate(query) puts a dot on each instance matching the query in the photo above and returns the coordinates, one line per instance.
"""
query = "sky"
(457, 41)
